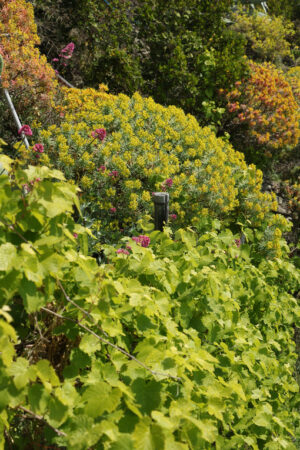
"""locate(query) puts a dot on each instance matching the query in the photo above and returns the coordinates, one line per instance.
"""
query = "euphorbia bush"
(263, 114)
(145, 147)
(29, 79)
(182, 344)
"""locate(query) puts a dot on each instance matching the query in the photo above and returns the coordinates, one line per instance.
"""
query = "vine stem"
(36, 416)
(105, 341)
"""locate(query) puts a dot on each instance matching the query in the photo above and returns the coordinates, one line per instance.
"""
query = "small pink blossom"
(75, 235)
(114, 173)
(37, 180)
(173, 216)
(113, 210)
(237, 242)
(169, 182)
(55, 59)
(122, 251)
(102, 168)
(99, 133)
(26, 130)
(38, 148)
(128, 247)
(144, 241)
(67, 51)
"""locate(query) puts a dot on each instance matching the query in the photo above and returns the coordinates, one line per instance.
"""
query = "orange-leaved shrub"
(293, 78)
(263, 114)
(27, 75)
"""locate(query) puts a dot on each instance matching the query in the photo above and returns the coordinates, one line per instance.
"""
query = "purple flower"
(144, 241)
(100, 134)
(38, 148)
(26, 130)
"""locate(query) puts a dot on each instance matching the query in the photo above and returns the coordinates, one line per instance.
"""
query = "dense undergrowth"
(210, 333)
(182, 339)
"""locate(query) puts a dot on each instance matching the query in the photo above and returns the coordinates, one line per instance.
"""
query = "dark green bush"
(178, 52)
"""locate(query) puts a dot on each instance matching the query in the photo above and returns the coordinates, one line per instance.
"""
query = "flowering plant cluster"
(30, 80)
(120, 150)
(65, 54)
(293, 78)
(262, 111)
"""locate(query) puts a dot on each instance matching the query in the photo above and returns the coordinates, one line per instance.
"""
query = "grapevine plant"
(177, 343)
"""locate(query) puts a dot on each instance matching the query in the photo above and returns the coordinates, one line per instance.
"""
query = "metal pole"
(64, 81)
(161, 209)
(15, 115)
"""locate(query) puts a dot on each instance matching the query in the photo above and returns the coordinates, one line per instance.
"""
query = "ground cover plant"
(177, 343)
(120, 150)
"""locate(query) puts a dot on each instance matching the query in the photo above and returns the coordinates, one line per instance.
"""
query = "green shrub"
(184, 344)
(179, 52)
(266, 36)
(150, 148)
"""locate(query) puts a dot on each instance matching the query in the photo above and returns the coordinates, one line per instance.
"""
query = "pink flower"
(173, 216)
(102, 168)
(38, 148)
(128, 247)
(237, 242)
(67, 51)
(37, 180)
(26, 130)
(114, 173)
(144, 241)
(122, 251)
(55, 59)
(169, 182)
(113, 210)
(99, 133)
(75, 235)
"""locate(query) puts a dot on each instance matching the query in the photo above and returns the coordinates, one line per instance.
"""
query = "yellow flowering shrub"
(120, 150)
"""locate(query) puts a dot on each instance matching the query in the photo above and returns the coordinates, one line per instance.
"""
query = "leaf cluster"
(185, 344)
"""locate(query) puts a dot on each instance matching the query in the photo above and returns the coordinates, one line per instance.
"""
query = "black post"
(161, 209)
